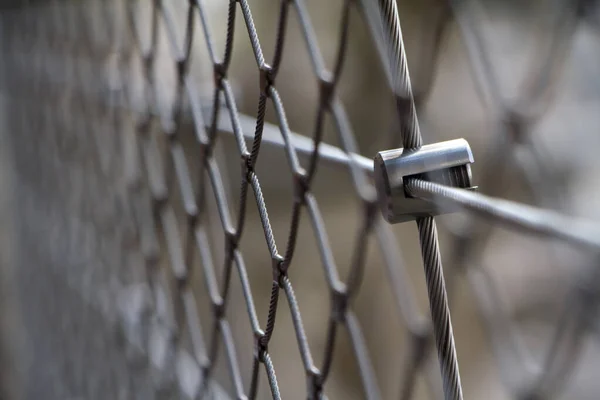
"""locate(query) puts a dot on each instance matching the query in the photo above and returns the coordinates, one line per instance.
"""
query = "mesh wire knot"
(266, 79)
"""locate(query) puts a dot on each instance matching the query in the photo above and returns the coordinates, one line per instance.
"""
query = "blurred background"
(518, 80)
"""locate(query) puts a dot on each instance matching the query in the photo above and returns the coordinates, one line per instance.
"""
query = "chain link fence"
(159, 211)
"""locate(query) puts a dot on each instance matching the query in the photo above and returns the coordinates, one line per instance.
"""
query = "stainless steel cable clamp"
(447, 163)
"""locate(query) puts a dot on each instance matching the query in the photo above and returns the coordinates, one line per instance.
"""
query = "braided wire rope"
(411, 139)
(158, 178)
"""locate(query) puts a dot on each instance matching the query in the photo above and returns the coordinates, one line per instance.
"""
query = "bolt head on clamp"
(447, 163)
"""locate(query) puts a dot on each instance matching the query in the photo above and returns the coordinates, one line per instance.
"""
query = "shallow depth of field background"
(533, 274)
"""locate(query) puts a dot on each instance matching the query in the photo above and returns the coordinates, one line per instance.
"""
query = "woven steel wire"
(154, 176)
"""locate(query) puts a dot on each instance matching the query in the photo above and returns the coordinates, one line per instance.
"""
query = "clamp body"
(446, 163)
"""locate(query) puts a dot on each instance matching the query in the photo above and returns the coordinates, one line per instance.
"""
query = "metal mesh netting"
(137, 164)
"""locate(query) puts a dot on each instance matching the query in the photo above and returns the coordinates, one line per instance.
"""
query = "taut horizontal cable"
(516, 215)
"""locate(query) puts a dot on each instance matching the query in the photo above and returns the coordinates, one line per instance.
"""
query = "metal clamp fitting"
(446, 163)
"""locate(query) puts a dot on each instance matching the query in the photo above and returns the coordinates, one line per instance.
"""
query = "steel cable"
(159, 174)
(411, 139)
(519, 216)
